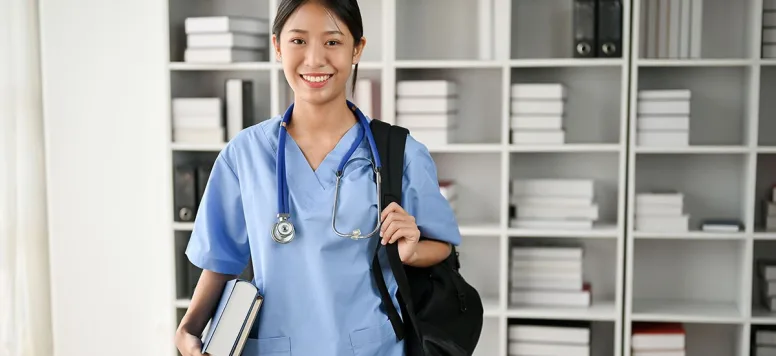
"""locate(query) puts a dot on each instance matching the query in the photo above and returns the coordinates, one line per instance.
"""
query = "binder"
(185, 197)
(609, 29)
(584, 24)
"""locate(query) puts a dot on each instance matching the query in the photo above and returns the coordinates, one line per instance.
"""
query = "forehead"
(313, 18)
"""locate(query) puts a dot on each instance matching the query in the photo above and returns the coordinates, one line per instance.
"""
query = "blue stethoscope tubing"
(283, 230)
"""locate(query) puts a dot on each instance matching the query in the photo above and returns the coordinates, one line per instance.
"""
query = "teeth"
(316, 79)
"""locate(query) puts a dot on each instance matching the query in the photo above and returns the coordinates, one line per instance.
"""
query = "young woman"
(319, 297)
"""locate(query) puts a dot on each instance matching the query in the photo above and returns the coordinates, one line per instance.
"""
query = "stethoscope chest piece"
(283, 230)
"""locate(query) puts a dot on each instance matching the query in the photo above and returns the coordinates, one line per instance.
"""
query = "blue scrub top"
(320, 297)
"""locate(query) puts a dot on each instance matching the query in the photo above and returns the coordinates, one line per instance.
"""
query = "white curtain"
(25, 313)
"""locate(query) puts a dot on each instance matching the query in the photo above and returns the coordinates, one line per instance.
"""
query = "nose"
(315, 56)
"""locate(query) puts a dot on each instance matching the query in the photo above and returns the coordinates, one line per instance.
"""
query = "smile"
(316, 79)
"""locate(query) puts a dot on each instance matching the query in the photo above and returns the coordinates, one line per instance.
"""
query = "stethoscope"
(283, 230)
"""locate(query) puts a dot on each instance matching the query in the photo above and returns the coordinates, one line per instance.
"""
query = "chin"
(316, 96)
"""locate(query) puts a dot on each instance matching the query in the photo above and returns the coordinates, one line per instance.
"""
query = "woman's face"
(317, 53)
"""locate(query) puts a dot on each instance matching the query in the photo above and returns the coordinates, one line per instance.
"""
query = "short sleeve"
(219, 240)
(422, 199)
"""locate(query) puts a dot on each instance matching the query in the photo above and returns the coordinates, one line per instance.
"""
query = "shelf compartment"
(687, 280)
(208, 84)
(544, 29)
(709, 339)
(718, 115)
(583, 123)
(717, 42)
(477, 178)
(602, 333)
(600, 167)
(712, 186)
(598, 269)
(182, 9)
(767, 107)
(441, 29)
(477, 103)
(480, 266)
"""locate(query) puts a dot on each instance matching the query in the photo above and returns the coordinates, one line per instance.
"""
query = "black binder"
(185, 197)
(584, 27)
(609, 32)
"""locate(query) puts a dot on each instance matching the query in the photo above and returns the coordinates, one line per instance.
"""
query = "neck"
(326, 120)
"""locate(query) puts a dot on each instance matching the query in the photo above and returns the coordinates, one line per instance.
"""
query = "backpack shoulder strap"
(390, 141)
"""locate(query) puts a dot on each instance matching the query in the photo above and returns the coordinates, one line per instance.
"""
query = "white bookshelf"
(701, 279)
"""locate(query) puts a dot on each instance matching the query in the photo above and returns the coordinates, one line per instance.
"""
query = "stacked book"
(568, 338)
(537, 114)
(428, 109)
(658, 339)
(225, 39)
(553, 203)
(448, 191)
(661, 211)
(671, 28)
(663, 118)
(766, 274)
(769, 29)
(769, 211)
(198, 120)
(548, 276)
(764, 341)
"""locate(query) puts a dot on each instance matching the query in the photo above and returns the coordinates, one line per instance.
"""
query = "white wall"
(105, 89)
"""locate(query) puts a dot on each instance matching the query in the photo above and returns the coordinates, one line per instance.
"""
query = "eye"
(332, 43)
(297, 41)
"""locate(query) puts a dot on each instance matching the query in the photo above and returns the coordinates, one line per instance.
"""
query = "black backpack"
(442, 314)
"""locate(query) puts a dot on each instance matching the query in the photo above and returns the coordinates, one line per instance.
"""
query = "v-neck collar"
(298, 169)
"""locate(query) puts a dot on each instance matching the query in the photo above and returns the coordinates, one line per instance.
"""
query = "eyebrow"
(332, 32)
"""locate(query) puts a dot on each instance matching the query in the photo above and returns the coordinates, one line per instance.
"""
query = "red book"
(655, 336)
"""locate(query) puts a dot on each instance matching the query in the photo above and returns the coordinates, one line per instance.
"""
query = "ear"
(358, 50)
(276, 45)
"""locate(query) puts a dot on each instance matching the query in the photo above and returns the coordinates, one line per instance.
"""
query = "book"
(232, 319)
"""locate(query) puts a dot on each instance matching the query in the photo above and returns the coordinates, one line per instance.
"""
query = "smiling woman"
(312, 257)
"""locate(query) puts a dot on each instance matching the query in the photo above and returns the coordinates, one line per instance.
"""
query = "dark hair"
(346, 10)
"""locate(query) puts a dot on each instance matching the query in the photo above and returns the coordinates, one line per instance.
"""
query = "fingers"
(391, 208)
(397, 229)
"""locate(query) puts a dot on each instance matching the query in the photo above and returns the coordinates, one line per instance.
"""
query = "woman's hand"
(398, 225)
(187, 344)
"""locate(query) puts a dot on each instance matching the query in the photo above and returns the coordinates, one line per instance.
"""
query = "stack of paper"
(367, 97)
(766, 275)
(550, 203)
(658, 339)
(661, 211)
(537, 116)
(549, 276)
(225, 39)
(428, 109)
(197, 120)
(769, 210)
(769, 29)
(764, 341)
(566, 338)
(663, 118)
(448, 190)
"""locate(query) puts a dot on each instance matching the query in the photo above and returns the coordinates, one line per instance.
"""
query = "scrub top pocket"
(275, 346)
(377, 340)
